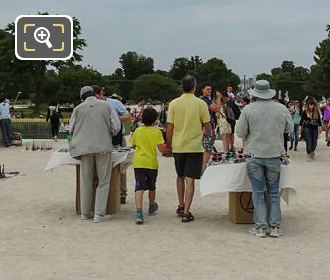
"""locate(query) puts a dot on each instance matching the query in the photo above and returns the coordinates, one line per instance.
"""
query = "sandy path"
(43, 238)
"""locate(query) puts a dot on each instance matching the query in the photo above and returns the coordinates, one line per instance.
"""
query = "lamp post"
(18, 94)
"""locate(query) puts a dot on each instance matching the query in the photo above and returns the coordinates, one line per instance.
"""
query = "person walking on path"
(262, 125)
(214, 107)
(231, 103)
(5, 122)
(326, 122)
(54, 115)
(225, 118)
(146, 139)
(296, 117)
(93, 123)
(188, 120)
(311, 124)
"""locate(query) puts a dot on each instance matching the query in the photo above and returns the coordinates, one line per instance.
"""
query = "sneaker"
(139, 218)
(153, 208)
(99, 219)
(290, 148)
(86, 217)
(261, 232)
(295, 149)
(275, 232)
(123, 200)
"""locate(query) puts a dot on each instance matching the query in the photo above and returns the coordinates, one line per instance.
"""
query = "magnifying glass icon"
(42, 35)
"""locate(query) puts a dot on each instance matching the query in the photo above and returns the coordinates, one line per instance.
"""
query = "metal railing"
(34, 128)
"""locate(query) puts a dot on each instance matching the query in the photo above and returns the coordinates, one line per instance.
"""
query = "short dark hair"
(246, 100)
(142, 98)
(149, 116)
(188, 83)
(2, 98)
(97, 89)
(207, 84)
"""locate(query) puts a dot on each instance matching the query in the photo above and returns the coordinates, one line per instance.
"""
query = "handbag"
(223, 124)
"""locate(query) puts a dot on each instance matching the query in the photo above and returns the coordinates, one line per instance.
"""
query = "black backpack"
(55, 113)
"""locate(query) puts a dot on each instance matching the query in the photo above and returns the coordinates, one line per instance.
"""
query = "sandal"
(186, 218)
(179, 211)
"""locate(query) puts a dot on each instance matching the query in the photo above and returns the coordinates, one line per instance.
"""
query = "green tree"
(34, 71)
(135, 65)
(319, 82)
(300, 73)
(276, 71)
(155, 87)
(180, 68)
(183, 66)
(65, 85)
(287, 66)
(216, 72)
(264, 76)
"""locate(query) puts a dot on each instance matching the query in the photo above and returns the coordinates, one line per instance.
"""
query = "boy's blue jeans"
(265, 172)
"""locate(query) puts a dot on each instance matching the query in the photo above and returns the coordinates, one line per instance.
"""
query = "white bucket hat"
(262, 90)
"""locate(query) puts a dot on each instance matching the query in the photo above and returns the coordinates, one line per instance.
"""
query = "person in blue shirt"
(125, 117)
(5, 122)
(119, 139)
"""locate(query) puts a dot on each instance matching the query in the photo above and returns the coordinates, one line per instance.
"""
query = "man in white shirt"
(5, 122)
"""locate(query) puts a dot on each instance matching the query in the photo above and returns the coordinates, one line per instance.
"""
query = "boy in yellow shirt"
(146, 139)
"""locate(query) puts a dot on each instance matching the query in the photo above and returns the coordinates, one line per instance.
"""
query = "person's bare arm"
(163, 149)
(215, 107)
(169, 133)
(125, 118)
(207, 129)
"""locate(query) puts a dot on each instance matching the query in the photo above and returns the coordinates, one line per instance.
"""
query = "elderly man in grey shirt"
(262, 125)
(93, 123)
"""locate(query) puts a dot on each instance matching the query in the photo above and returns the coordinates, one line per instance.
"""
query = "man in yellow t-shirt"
(146, 139)
(188, 120)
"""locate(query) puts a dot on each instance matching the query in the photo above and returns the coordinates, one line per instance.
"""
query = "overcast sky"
(251, 36)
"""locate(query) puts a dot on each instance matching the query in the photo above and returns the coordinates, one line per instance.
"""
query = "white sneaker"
(275, 232)
(86, 217)
(99, 219)
(261, 232)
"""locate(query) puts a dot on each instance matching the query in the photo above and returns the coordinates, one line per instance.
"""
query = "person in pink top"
(326, 122)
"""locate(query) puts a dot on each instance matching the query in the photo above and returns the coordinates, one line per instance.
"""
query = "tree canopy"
(155, 87)
(319, 80)
(289, 78)
(135, 65)
(28, 76)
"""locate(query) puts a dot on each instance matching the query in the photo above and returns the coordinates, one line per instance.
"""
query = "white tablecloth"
(233, 178)
(64, 158)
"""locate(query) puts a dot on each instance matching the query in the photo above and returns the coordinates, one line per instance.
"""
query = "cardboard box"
(241, 207)
(113, 204)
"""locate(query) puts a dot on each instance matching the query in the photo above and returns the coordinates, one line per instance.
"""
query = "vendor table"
(233, 178)
(121, 160)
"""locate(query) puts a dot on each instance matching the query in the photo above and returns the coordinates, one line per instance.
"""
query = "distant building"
(246, 84)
